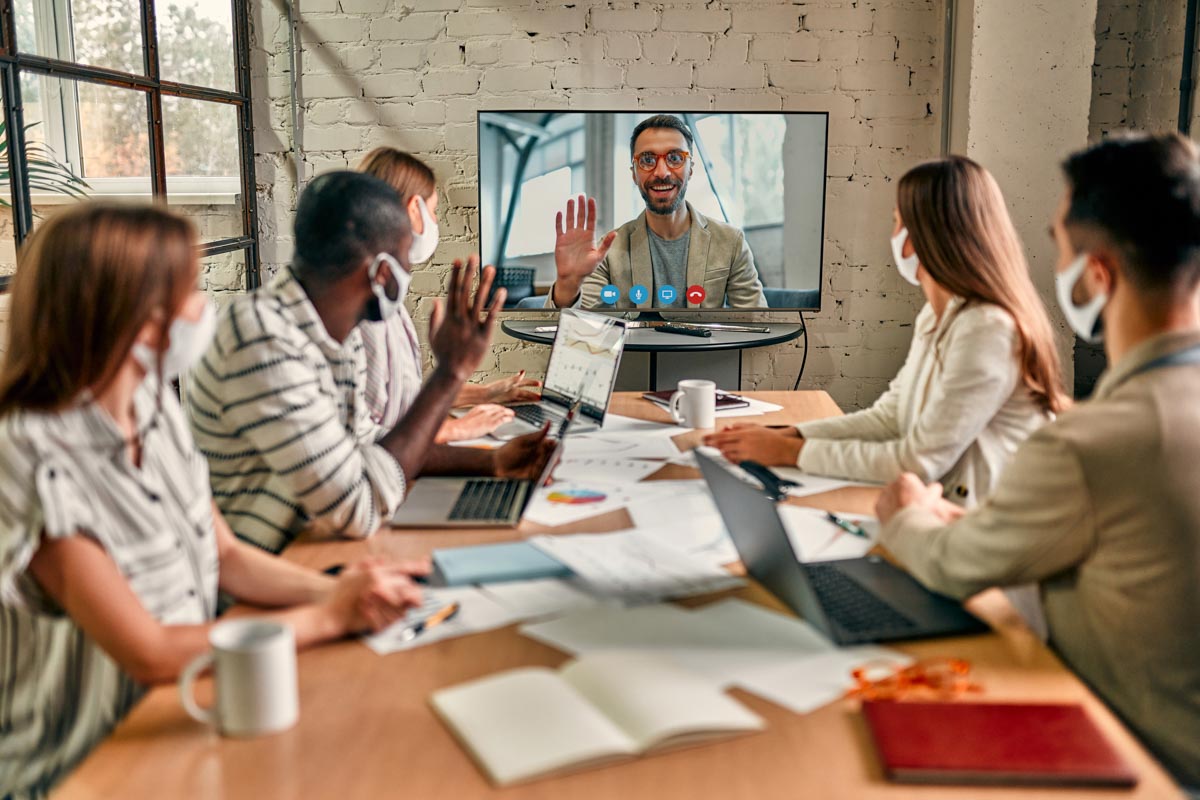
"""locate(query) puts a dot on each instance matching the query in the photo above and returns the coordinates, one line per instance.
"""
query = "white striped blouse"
(277, 406)
(68, 474)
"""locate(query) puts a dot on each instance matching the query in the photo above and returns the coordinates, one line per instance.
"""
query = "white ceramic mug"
(694, 405)
(254, 662)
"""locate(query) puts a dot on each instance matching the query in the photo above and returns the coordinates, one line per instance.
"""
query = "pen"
(848, 527)
(569, 418)
(336, 569)
(443, 614)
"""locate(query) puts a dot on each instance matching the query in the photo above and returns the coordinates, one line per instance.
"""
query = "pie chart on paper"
(575, 497)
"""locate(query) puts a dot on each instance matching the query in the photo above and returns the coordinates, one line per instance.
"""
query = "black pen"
(569, 418)
(336, 569)
(848, 527)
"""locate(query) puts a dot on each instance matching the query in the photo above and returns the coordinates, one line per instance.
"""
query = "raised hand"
(576, 251)
(458, 337)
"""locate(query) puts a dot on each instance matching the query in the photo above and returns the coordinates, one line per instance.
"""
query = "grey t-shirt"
(669, 258)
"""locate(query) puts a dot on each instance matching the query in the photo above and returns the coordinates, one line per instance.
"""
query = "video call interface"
(757, 178)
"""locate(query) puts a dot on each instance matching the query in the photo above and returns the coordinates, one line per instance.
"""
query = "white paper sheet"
(620, 445)
(634, 567)
(477, 612)
(815, 538)
(539, 598)
(544, 511)
(606, 469)
(805, 684)
(615, 423)
(682, 514)
(814, 484)
(756, 409)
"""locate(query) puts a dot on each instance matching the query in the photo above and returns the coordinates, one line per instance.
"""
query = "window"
(554, 173)
(131, 99)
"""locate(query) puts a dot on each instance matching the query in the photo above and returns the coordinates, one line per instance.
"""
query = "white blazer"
(956, 411)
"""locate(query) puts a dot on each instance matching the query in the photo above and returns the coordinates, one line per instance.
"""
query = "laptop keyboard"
(850, 605)
(535, 415)
(488, 499)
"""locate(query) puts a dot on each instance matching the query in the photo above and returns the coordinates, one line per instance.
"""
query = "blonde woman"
(111, 550)
(392, 349)
(982, 372)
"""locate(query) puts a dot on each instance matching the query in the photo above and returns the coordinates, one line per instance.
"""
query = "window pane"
(203, 165)
(195, 43)
(83, 139)
(224, 276)
(101, 33)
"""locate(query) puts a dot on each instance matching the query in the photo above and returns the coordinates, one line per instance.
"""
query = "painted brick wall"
(412, 73)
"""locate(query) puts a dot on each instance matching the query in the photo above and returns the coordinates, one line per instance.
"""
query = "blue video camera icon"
(610, 294)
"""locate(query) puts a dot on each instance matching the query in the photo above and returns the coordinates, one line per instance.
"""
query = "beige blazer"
(718, 259)
(1102, 508)
(956, 412)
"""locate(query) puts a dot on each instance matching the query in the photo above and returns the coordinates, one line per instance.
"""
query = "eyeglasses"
(941, 677)
(648, 162)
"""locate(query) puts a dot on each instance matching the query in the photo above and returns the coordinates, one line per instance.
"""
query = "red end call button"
(695, 294)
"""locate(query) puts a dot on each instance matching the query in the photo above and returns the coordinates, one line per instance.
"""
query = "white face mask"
(1082, 319)
(388, 307)
(188, 341)
(425, 242)
(907, 265)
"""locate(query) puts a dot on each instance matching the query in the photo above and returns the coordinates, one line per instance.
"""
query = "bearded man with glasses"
(669, 244)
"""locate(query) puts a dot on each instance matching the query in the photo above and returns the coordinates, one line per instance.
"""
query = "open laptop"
(583, 364)
(470, 502)
(853, 600)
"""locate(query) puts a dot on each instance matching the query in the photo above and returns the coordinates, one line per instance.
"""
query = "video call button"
(695, 294)
(638, 294)
(667, 294)
(610, 294)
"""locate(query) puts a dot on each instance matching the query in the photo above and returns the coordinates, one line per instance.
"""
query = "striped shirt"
(393, 377)
(68, 474)
(277, 407)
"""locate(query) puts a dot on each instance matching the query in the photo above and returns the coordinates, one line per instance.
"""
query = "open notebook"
(534, 722)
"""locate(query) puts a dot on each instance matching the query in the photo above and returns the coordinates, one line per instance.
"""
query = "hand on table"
(772, 448)
(908, 491)
(371, 594)
(524, 456)
(479, 421)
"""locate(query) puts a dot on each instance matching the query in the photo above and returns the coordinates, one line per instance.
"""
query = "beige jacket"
(1102, 507)
(956, 412)
(718, 259)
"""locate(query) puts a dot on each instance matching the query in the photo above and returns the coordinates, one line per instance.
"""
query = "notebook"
(604, 707)
(993, 743)
(494, 563)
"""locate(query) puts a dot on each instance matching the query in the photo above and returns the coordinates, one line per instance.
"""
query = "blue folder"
(494, 563)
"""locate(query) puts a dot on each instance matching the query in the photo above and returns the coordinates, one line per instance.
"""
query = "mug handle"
(187, 682)
(674, 407)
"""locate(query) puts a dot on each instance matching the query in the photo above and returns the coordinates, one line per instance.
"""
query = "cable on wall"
(804, 359)
(1187, 82)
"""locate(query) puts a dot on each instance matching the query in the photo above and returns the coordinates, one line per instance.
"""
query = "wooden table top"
(366, 729)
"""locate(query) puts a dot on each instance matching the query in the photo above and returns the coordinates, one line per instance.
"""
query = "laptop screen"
(587, 351)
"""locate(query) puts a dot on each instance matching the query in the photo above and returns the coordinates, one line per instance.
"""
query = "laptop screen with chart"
(586, 354)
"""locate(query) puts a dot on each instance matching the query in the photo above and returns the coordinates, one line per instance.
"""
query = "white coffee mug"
(695, 404)
(254, 663)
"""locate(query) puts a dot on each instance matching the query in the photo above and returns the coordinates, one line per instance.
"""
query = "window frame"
(14, 63)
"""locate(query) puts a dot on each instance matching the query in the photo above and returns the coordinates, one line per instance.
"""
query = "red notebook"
(993, 743)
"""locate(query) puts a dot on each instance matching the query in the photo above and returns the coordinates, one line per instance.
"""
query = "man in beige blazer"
(1102, 506)
(670, 243)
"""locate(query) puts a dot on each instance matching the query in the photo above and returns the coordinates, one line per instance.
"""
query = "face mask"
(382, 306)
(188, 341)
(907, 265)
(425, 242)
(1085, 319)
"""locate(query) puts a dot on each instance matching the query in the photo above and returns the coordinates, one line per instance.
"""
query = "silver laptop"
(583, 365)
(470, 502)
(852, 600)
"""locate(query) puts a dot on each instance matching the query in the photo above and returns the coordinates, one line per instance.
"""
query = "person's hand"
(908, 491)
(576, 251)
(517, 389)
(458, 337)
(754, 442)
(479, 421)
(524, 456)
(373, 593)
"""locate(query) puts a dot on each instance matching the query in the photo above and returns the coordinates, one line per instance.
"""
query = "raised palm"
(576, 251)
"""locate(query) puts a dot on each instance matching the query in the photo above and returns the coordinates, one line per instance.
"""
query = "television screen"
(706, 210)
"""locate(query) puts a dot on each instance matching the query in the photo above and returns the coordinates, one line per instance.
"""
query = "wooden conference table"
(366, 729)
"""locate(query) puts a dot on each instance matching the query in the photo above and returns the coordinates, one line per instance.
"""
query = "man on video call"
(670, 244)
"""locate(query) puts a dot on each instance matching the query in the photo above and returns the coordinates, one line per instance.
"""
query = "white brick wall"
(421, 68)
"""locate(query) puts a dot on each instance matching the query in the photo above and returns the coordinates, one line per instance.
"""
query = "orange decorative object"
(943, 678)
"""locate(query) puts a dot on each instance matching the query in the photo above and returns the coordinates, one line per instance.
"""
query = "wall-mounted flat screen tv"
(711, 210)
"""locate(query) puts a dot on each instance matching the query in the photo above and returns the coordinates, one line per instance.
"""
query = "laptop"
(470, 502)
(853, 600)
(583, 365)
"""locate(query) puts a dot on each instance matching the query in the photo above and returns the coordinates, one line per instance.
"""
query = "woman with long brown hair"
(392, 349)
(111, 550)
(982, 372)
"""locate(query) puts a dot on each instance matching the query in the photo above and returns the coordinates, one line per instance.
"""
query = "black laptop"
(853, 600)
